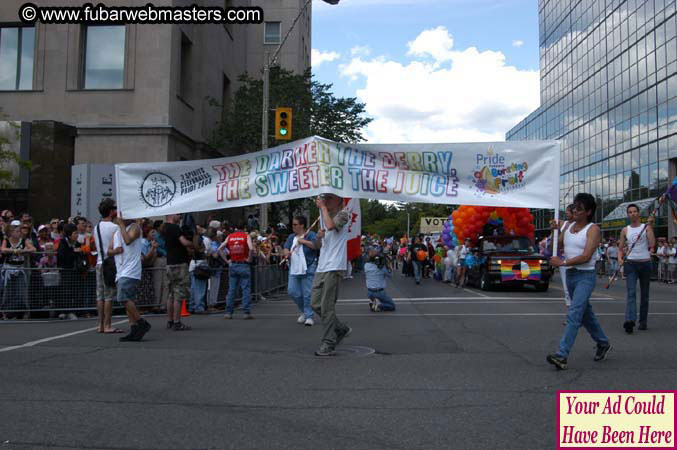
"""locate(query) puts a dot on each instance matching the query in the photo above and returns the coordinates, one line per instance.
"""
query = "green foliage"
(316, 112)
(8, 158)
(391, 220)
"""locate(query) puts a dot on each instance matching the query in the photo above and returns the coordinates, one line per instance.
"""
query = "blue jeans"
(198, 294)
(299, 290)
(580, 284)
(450, 273)
(14, 289)
(387, 303)
(634, 270)
(239, 275)
(417, 269)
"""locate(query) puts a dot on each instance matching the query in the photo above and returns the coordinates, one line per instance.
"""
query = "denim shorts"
(128, 289)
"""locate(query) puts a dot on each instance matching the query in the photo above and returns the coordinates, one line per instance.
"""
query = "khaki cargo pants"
(179, 282)
(323, 297)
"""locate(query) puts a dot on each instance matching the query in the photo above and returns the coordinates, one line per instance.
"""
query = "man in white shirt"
(662, 252)
(332, 240)
(103, 235)
(126, 247)
(672, 260)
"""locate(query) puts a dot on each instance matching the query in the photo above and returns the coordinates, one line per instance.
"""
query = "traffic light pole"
(267, 64)
(263, 222)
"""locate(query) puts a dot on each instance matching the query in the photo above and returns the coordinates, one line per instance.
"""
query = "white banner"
(518, 174)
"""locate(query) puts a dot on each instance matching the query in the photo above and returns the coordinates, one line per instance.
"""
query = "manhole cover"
(343, 351)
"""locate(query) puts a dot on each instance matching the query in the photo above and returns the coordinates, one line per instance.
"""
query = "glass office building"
(609, 93)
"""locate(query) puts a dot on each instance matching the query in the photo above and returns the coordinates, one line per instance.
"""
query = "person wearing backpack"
(105, 293)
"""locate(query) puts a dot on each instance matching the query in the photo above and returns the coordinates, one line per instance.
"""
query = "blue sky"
(431, 70)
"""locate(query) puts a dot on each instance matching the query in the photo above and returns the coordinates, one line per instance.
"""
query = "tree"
(391, 219)
(316, 112)
(8, 157)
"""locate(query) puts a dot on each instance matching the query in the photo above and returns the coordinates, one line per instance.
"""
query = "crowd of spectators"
(39, 260)
(51, 265)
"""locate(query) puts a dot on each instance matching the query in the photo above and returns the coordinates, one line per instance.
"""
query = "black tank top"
(12, 259)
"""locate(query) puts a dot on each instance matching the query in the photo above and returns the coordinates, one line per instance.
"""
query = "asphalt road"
(450, 369)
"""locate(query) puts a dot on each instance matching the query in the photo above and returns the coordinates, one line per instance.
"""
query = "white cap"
(15, 223)
(214, 224)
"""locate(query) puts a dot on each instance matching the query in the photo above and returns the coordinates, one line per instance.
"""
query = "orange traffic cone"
(184, 311)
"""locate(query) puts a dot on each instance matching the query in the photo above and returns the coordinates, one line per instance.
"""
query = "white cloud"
(318, 57)
(436, 43)
(458, 96)
(360, 50)
(517, 43)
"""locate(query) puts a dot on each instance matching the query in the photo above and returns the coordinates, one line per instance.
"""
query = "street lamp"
(267, 64)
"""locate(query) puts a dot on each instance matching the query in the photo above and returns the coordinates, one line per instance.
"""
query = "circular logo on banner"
(157, 189)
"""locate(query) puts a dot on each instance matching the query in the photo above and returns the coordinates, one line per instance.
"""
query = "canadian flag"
(352, 205)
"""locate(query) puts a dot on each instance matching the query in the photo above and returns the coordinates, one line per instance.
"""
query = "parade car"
(508, 261)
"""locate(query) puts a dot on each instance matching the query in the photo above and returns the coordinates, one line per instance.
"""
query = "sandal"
(178, 326)
(113, 331)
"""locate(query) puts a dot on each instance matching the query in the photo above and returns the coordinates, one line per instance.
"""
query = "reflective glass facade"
(609, 93)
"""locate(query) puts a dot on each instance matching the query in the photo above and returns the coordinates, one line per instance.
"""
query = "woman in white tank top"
(636, 266)
(580, 241)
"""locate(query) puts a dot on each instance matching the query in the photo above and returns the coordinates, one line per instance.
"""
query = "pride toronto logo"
(494, 175)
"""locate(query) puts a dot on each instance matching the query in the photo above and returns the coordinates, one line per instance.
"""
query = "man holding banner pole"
(332, 240)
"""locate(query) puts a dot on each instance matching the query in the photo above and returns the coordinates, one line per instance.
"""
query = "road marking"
(397, 314)
(477, 300)
(54, 338)
(475, 292)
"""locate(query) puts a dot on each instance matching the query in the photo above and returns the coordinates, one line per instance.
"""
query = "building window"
(17, 46)
(272, 33)
(104, 65)
(185, 83)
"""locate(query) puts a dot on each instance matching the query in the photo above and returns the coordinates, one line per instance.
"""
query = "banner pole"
(557, 173)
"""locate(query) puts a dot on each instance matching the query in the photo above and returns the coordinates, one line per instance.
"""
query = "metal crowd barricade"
(268, 278)
(29, 289)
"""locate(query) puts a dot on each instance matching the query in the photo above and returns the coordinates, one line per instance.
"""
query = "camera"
(379, 259)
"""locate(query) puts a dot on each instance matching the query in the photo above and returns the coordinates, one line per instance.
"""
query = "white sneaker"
(309, 322)
(301, 319)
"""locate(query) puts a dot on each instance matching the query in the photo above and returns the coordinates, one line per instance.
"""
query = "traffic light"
(283, 118)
